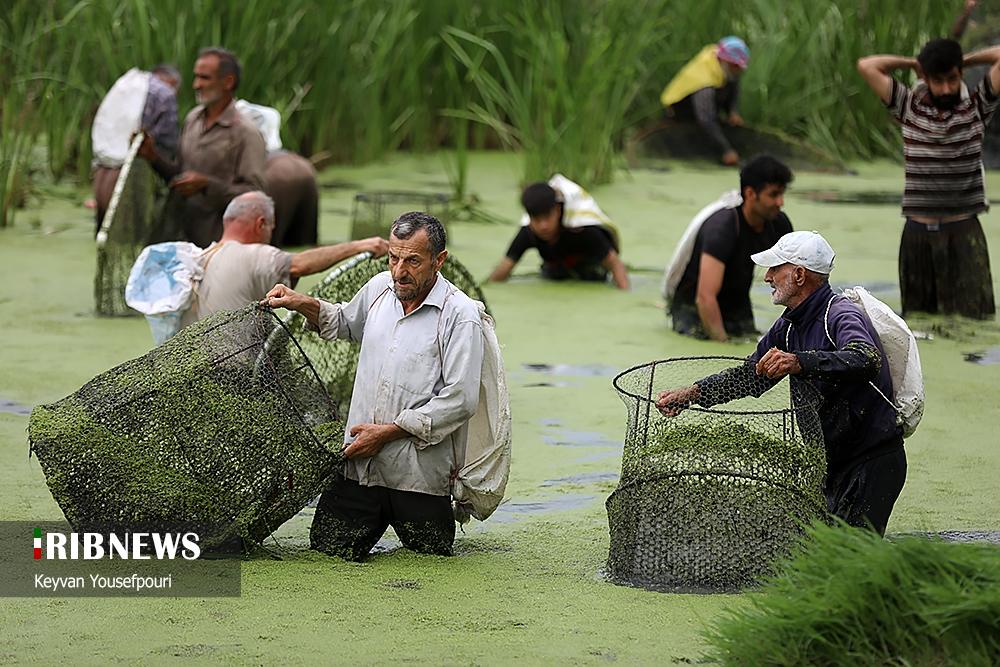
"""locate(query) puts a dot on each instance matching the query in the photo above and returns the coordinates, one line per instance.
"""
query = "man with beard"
(826, 340)
(416, 387)
(221, 155)
(944, 264)
(712, 299)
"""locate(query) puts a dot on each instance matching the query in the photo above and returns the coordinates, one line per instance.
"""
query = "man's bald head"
(249, 218)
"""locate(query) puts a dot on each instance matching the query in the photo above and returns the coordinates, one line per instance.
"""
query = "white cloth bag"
(119, 117)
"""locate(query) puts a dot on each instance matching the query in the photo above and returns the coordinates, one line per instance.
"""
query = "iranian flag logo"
(38, 544)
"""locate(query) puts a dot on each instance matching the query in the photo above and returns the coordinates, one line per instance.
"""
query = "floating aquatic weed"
(709, 498)
(219, 429)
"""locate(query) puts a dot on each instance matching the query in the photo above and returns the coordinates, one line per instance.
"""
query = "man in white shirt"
(416, 388)
(240, 267)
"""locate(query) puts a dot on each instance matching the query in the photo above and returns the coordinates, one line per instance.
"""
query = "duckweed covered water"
(527, 590)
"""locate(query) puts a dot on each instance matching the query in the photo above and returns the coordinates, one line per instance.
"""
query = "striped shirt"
(943, 150)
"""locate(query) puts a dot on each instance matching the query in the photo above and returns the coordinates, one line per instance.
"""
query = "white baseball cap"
(806, 249)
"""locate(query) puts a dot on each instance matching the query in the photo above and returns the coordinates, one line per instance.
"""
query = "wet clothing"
(350, 519)
(852, 379)
(231, 154)
(729, 238)
(419, 371)
(864, 494)
(576, 254)
(237, 274)
(703, 107)
(945, 268)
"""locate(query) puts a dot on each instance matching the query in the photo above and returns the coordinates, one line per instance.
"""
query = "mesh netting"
(225, 427)
(709, 498)
(336, 361)
(374, 212)
(126, 230)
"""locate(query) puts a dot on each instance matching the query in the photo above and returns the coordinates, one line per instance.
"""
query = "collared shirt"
(231, 154)
(943, 150)
(419, 371)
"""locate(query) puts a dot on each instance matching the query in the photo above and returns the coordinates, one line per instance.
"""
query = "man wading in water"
(416, 388)
(944, 264)
(825, 339)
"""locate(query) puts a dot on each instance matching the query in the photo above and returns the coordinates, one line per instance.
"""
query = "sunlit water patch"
(511, 511)
(13, 407)
(583, 478)
(988, 357)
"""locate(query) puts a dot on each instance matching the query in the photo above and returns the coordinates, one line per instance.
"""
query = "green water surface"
(525, 586)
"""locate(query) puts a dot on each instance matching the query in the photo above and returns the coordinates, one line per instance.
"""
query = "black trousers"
(863, 494)
(946, 269)
(687, 321)
(351, 518)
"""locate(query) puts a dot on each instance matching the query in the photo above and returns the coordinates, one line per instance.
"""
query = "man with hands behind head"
(944, 264)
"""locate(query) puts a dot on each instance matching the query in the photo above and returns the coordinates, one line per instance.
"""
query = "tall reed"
(560, 80)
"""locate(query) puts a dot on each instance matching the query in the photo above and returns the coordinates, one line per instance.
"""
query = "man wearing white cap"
(826, 340)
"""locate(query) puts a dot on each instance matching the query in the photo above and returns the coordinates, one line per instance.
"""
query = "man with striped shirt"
(944, 264)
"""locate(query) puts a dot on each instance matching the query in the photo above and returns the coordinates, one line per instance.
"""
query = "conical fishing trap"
(374, 212)
(710, 497)
(336, 361)
(224, 429)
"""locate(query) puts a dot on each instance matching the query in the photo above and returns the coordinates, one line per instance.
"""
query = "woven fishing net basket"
(225, 429)
(709, 498)
(374, 212)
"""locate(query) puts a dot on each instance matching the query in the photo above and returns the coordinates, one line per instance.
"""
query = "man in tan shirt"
(221, 154)
(242, 267)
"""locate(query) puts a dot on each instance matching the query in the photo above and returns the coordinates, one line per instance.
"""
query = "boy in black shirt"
(580, 252)
(713, 297)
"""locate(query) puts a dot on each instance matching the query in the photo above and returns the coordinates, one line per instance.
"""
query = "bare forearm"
(309, 308)
(502, 270)
(961, 23)
(987, 56)
(711, 318)
(618, 272)
(314, 260)
(886, 63)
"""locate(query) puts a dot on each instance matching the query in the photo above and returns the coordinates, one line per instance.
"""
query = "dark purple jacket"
(858, 423)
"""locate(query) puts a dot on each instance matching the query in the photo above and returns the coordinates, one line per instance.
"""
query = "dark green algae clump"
(224, 429)
(710, 504)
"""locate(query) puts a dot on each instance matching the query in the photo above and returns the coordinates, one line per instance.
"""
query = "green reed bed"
(850, 598)
(564, 81)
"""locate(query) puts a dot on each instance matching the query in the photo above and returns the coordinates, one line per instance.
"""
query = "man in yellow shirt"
(708, 83)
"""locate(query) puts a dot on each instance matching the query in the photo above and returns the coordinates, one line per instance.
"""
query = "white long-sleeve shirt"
(419, 371)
